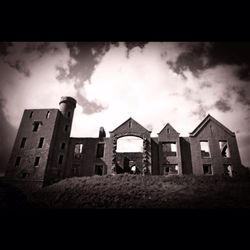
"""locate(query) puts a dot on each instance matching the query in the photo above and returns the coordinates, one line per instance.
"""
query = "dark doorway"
(99, 170)
(126, 166)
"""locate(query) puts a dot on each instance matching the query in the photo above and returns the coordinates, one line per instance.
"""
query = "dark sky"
(211, 77)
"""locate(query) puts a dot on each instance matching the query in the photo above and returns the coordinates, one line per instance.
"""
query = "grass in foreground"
(135, 191)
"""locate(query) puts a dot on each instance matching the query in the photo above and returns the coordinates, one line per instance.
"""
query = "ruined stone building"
(44, 152)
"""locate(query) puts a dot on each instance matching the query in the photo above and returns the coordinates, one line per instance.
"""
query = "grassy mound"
(135, 191)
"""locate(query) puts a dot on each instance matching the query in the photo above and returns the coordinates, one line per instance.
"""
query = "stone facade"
(44, 153)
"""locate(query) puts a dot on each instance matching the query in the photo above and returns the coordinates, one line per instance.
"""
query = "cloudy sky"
(153, 82)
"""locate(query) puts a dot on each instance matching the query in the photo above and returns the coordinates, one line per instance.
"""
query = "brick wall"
(26, 171)
(213, 133)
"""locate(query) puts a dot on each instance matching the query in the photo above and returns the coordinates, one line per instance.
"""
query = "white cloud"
(145, 88)
(41, 89)
(141, 86)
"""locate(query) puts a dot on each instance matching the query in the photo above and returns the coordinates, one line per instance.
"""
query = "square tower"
(39, 154)
(30, 153)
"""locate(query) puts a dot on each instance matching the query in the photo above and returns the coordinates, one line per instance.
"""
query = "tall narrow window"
(60, 161)
(48, 115)
(18, 159)
(31, 114)
(63, 145)
(23, 142)
(66, 128)
(168, 131)
(224, 149)
(207, 169)
(78, 151)
(205, 152)
(36, 126)
(68, 114)
(100, 150)
(40, 145)
(169, 148)
(36, 163)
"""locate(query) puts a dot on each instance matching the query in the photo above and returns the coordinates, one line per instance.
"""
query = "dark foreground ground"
(134, 191)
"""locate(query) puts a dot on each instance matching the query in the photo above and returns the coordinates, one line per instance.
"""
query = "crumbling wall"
(213, 133)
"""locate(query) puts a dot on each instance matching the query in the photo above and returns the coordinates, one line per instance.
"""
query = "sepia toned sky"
(153, 82)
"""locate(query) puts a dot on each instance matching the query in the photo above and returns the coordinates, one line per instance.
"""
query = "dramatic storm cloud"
(154, 83)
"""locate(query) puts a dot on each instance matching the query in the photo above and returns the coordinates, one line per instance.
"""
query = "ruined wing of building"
(44, 152)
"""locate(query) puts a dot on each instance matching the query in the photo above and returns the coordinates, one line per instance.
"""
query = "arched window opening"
(129, 144)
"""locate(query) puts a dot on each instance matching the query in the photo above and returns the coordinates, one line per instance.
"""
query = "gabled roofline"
(205, 121)
(120, 125)
(130, 118)
(168, 124)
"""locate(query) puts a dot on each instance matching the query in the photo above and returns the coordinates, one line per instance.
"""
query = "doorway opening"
(99, 169)
(129, 155)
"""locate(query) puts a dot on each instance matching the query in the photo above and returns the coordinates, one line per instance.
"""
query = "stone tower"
(39, 152)
(56, 167)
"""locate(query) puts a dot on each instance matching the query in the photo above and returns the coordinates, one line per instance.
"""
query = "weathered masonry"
(44, 153)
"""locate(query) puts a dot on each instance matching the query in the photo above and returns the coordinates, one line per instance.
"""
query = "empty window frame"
(48, 115)
(99, 169)
(169, 148)
(36, 163)
(63, 145)
(170, 169)
(168, 131)
(23, 142)
(18, 160)
(78, 151)
(207, 169)
(100, 150)
(60, 161)
(205, 151)
(40, 144)
(69, 114)
(36, 126)
(224, 149)
(228, 170)
(66, 128)
(128, 144)
(31, 114)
